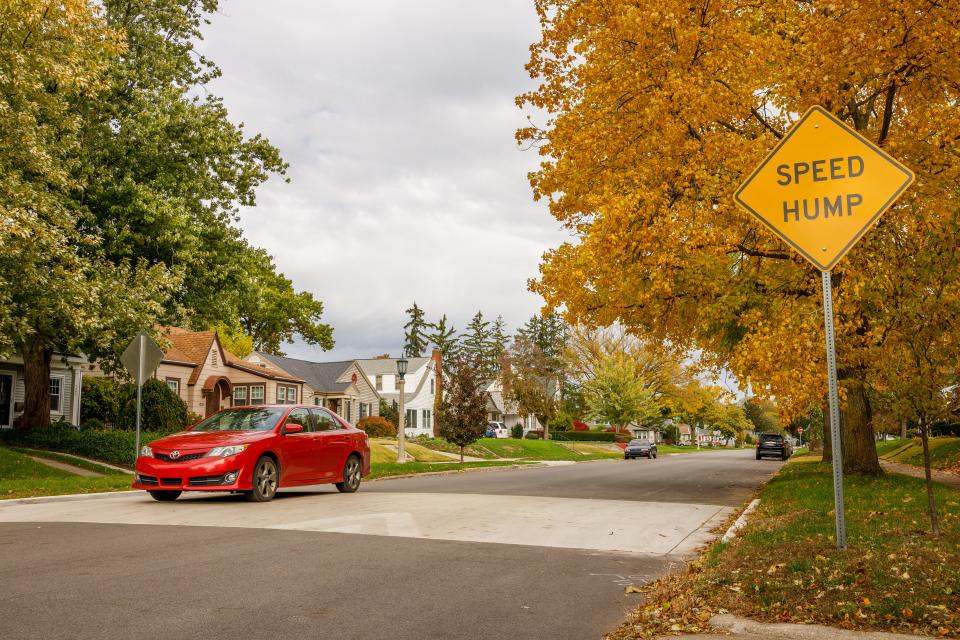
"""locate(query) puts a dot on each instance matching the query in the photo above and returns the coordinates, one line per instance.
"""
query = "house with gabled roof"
(421, 384)
(342, 386)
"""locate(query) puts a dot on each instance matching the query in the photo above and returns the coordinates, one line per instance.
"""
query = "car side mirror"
(292, 427)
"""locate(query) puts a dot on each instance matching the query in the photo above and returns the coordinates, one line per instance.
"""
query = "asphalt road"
(78, 571)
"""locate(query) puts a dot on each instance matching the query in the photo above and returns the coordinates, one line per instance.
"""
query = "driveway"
(527, 553)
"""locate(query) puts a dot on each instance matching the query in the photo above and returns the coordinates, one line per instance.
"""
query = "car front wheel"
(165, 496)
(266, 479)
(352, 475)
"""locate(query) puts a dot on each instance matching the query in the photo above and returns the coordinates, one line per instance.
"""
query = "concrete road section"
(530, 553)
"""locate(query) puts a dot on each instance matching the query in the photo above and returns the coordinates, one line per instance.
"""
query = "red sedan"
(256, 450)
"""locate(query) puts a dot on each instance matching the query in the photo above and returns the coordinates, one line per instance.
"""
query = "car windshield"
(248, 419)
(638, 442)
(771, 436)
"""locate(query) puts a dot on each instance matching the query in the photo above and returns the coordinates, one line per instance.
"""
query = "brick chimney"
(437, 358)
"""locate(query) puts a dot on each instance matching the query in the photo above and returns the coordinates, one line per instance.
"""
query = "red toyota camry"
(256, 450)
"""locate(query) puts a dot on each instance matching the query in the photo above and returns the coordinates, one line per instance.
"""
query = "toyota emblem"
(174, 455)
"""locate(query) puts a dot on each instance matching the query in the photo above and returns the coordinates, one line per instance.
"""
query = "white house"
(502, 409)
(66, 376)
(421, 385)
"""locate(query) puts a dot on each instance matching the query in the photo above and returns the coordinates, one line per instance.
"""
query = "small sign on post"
(141, 358)
(820, 190)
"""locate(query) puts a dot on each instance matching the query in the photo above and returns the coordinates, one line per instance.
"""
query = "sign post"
(141, 358)
(820, 190)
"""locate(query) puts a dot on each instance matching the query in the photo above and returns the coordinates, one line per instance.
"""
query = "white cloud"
(397, 118)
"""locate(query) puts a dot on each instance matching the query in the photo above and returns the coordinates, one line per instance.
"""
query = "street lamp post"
(401, 413)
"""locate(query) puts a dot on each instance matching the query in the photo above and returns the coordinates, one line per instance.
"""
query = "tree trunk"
(903, 429)
(827, 435)
(461, 454)
(931, 501)
(546, 429)
(36, 385)
(857, 438)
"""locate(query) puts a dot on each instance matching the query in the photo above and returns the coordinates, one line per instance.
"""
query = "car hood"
(207, 439)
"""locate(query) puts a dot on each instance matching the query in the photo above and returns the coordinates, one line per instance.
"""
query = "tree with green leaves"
(272, 312)
(475, 344)
(462, 411)
(415, 332)
(617, 395)
(762, 414)
(531, 379)
(60, 293)
(443, 336)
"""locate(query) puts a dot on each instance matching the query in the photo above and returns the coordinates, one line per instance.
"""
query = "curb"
(66, 497)
(740, 522)
(781, 631)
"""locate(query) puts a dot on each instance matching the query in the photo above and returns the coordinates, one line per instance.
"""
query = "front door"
(6, 399)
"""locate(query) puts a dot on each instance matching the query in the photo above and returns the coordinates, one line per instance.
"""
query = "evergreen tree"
(497, 345)
(475, 344)
(443, 336)
(415, 335)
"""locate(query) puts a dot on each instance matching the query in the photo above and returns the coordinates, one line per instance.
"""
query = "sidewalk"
(943, 477)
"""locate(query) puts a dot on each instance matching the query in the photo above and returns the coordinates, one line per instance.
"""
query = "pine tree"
(415, 333)
(444, 337)
(475, 343)
(498, 342)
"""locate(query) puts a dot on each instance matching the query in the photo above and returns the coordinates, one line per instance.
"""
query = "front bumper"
(636, 454)
(203, 474)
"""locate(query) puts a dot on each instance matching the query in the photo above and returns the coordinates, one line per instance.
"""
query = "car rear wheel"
(266, 479)
(165, 496)
(352, 475)
(654, 455)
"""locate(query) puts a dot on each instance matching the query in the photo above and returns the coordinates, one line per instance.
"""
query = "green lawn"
(439, 444)
(541, 450)
(784, 567)
(21, 477)
(387, 469)
(944, 452)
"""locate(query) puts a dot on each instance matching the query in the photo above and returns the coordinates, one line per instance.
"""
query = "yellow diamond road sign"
(822, 187)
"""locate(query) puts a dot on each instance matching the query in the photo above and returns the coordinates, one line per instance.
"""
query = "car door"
(334, 442)
(297, 450)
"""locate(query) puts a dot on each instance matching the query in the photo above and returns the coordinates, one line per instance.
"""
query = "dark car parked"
(640, 449)
(773, 444)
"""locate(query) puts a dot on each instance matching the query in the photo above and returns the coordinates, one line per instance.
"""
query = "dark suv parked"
(774, 444)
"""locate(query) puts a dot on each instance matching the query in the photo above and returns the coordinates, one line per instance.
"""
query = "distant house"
(342, 387)
(421, 384)
(208, 378)
(66, 374)
(502, 409)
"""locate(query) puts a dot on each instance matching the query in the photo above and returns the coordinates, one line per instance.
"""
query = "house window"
(56, 393)
(396, 382)
(363, 410)
(379, 383)
(174, 384)
(426, 419)
(256, 394)
(291, 395)
(239, 396)
(432, 383)
(411, 419)
(281, 395)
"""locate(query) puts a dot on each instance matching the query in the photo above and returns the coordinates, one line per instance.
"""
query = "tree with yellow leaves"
(659, 110)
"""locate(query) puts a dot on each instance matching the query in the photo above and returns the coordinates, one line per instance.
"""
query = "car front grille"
(164, 457)
(170, 482)
(149, 480)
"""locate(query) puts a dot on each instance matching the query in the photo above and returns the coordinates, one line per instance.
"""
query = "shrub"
(115, 447)
(534, 435)
(101, 399)
(748, 439)
(161, 408)
(586, 436)
(580, 426)
(517, 431)
(563, 422)
(622, 438)
(377, 427)
(92, 424)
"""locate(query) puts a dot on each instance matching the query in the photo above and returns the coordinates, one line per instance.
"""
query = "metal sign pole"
(834, 399)
(140, 339)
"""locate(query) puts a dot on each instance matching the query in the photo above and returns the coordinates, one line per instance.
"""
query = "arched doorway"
(216, 389)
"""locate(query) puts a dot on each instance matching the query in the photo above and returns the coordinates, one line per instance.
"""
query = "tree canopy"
(656, 114)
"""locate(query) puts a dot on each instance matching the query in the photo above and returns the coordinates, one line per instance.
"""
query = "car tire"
(759, 456)
(165, 496)
(352, 475)
(653, 455)
(266, 479)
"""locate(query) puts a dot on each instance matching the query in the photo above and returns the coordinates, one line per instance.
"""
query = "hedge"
(583, 436)
(377, 427)
(115, 447)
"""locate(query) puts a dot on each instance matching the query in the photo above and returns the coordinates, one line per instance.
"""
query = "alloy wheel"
(267, 478)
(353, 473)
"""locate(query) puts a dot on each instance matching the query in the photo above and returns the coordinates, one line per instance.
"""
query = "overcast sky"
(397, 118)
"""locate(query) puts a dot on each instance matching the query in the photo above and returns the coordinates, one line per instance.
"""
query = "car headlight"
(226, 452)
(146, 451)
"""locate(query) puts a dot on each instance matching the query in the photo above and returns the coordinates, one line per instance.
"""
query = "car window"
(301, 416)
(325, 421)
(244, 419)
(771, 436)
(637, 441)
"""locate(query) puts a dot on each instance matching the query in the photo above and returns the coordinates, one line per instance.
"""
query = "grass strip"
(784, 567)
(391, 469)
(21, 477)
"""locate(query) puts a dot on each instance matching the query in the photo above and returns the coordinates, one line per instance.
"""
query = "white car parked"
(499, 430)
